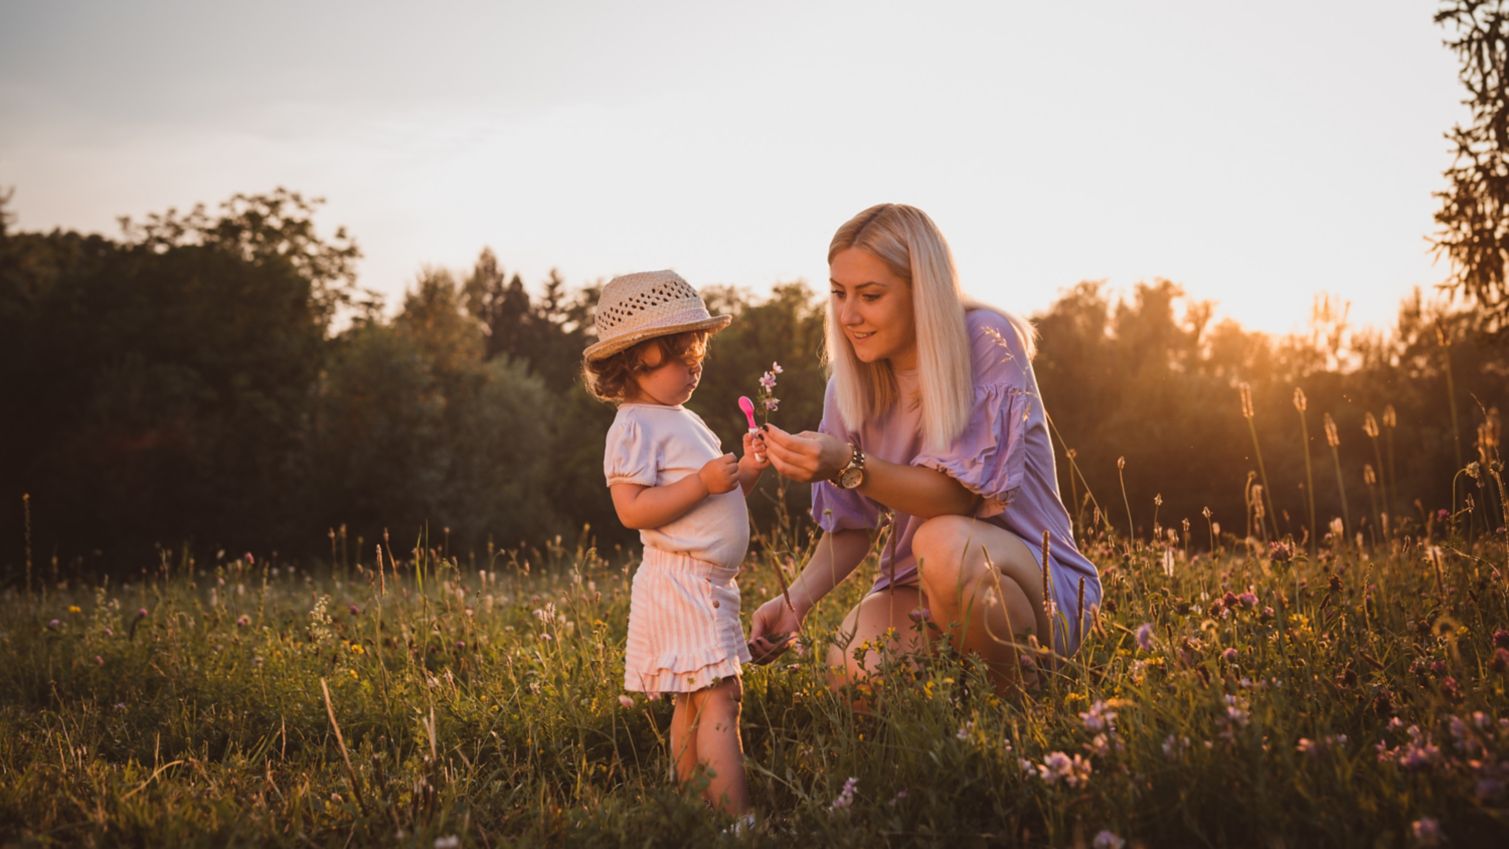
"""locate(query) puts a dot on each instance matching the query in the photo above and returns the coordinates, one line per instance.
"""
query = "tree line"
(187, 384)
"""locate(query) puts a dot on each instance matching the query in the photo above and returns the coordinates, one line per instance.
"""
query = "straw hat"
(636, 307)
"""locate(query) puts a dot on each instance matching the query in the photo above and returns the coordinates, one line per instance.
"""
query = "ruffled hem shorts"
(684, 631)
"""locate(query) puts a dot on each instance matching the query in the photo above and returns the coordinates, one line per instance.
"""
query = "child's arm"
(753, 462)
(642, 507)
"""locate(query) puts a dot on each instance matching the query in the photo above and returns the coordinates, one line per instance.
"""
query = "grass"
(1277, 699)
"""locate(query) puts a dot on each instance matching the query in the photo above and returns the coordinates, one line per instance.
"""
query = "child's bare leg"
(719, 747)
(684, 737)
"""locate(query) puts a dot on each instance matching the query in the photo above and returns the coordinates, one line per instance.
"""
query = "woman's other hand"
(807, 456)
(771, 629)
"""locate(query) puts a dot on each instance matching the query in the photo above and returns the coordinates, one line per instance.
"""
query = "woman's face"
(873, 308)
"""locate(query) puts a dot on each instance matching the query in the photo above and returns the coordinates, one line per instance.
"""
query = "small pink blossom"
(1107, 839)
(625, 701)
(1145, 636)
(846, 795)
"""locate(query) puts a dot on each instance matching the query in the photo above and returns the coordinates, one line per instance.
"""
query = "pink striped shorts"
(684, 631)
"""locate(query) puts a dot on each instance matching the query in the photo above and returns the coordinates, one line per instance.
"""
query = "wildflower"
(846, 795)
(767, 381)
(250, 560)
(141, 613)
(99, 661)
(965, 729)
(450, 841)
(625, 701)
(775, 368)
(900, 795)
(1501, 660)
(75, 609)
(54, 624)
(1248, 599)
(354, 610)
(1145, 636)
(1426, 831)
(243, 621)
(1057, 766)
(1236, 711)
(1107, 839)
(1099, 717)
(1229, 655)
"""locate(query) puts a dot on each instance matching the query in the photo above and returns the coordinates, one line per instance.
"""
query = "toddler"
(671, 481)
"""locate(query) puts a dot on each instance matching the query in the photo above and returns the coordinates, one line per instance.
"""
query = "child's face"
(666, 380)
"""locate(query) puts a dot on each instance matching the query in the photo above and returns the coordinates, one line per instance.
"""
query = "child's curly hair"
(611, 379)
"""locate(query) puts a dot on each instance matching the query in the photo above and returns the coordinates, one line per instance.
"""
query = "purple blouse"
(1004, 455)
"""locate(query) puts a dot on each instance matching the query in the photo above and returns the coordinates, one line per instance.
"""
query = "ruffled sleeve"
(629, 456)
(833, 507)
(989, 457)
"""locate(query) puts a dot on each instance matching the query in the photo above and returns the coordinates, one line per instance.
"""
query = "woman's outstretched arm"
(813, 456)
(836, 556)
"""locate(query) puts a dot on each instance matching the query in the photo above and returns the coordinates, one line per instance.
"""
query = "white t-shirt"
(653, 445)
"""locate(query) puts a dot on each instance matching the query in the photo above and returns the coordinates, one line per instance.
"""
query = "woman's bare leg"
(881, 621)
(983, 610)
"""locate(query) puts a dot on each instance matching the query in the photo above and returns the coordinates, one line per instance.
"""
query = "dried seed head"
(1333, 438)
(1299, 399)
(1205, 511)
(1370, 426)
(1158, 500)
(1246, 400)
(1367, 475)
(1390, 420)
(1121, 463)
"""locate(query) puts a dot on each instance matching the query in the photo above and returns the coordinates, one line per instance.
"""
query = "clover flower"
(846, 795)
(1144, 636)
(768, 402)
(1107, 839)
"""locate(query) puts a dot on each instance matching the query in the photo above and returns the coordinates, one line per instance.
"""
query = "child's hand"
(754, 460)
(720, 474)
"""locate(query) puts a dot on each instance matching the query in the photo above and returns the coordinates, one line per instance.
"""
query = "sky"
(1256, 154)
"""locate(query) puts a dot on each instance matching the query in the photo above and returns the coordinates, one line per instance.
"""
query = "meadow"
(1247, 693)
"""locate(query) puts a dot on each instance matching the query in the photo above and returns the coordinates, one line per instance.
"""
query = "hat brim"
(608, 347)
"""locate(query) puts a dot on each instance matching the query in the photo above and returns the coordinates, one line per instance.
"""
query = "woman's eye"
(869, 298)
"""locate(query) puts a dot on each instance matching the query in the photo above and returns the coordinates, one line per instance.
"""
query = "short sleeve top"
(1004, 455)
(655, 445)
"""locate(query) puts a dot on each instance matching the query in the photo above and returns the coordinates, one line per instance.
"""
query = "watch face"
(851, 478)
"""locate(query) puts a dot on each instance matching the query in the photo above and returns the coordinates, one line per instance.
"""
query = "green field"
(1348, 697)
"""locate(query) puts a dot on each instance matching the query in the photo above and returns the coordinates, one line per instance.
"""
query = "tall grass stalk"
(1257, 450)
(1444, 338)
(1391, 492)
(1300, 404)
(1370, 427)
(1121, 464)
(1333, 439)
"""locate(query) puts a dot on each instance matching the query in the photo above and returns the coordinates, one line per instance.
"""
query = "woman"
(932, 414)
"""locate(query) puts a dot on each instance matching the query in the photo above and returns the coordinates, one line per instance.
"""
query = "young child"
(672, 482)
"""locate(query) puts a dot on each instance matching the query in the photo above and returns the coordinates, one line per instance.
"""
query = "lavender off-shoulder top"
(1004, 455)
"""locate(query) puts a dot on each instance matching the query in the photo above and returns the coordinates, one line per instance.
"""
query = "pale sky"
(1253, 153)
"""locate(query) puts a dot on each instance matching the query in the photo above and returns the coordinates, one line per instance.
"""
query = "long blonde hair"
(910, 245)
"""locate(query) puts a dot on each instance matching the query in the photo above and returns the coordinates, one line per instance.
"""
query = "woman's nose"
(846, 312)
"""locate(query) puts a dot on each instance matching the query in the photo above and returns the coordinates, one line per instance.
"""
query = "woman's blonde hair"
(910, 245)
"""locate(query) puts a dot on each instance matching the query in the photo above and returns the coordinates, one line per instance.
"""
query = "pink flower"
(1426, 831)
(1229, 655)
(1107, 839)
(627, 702)
(846, 795)
(1145, 636)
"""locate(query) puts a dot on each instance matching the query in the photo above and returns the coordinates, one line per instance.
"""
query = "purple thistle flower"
(1145, 636)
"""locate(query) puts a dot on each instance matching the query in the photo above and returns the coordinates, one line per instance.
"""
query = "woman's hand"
(771, 629)
(807, 456)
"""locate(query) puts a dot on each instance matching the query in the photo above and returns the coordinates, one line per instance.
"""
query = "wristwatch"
(852, 475)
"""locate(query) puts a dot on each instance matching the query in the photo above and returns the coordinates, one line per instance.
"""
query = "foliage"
(1473, 234)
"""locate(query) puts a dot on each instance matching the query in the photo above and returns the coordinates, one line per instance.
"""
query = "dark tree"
(1474, 230)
